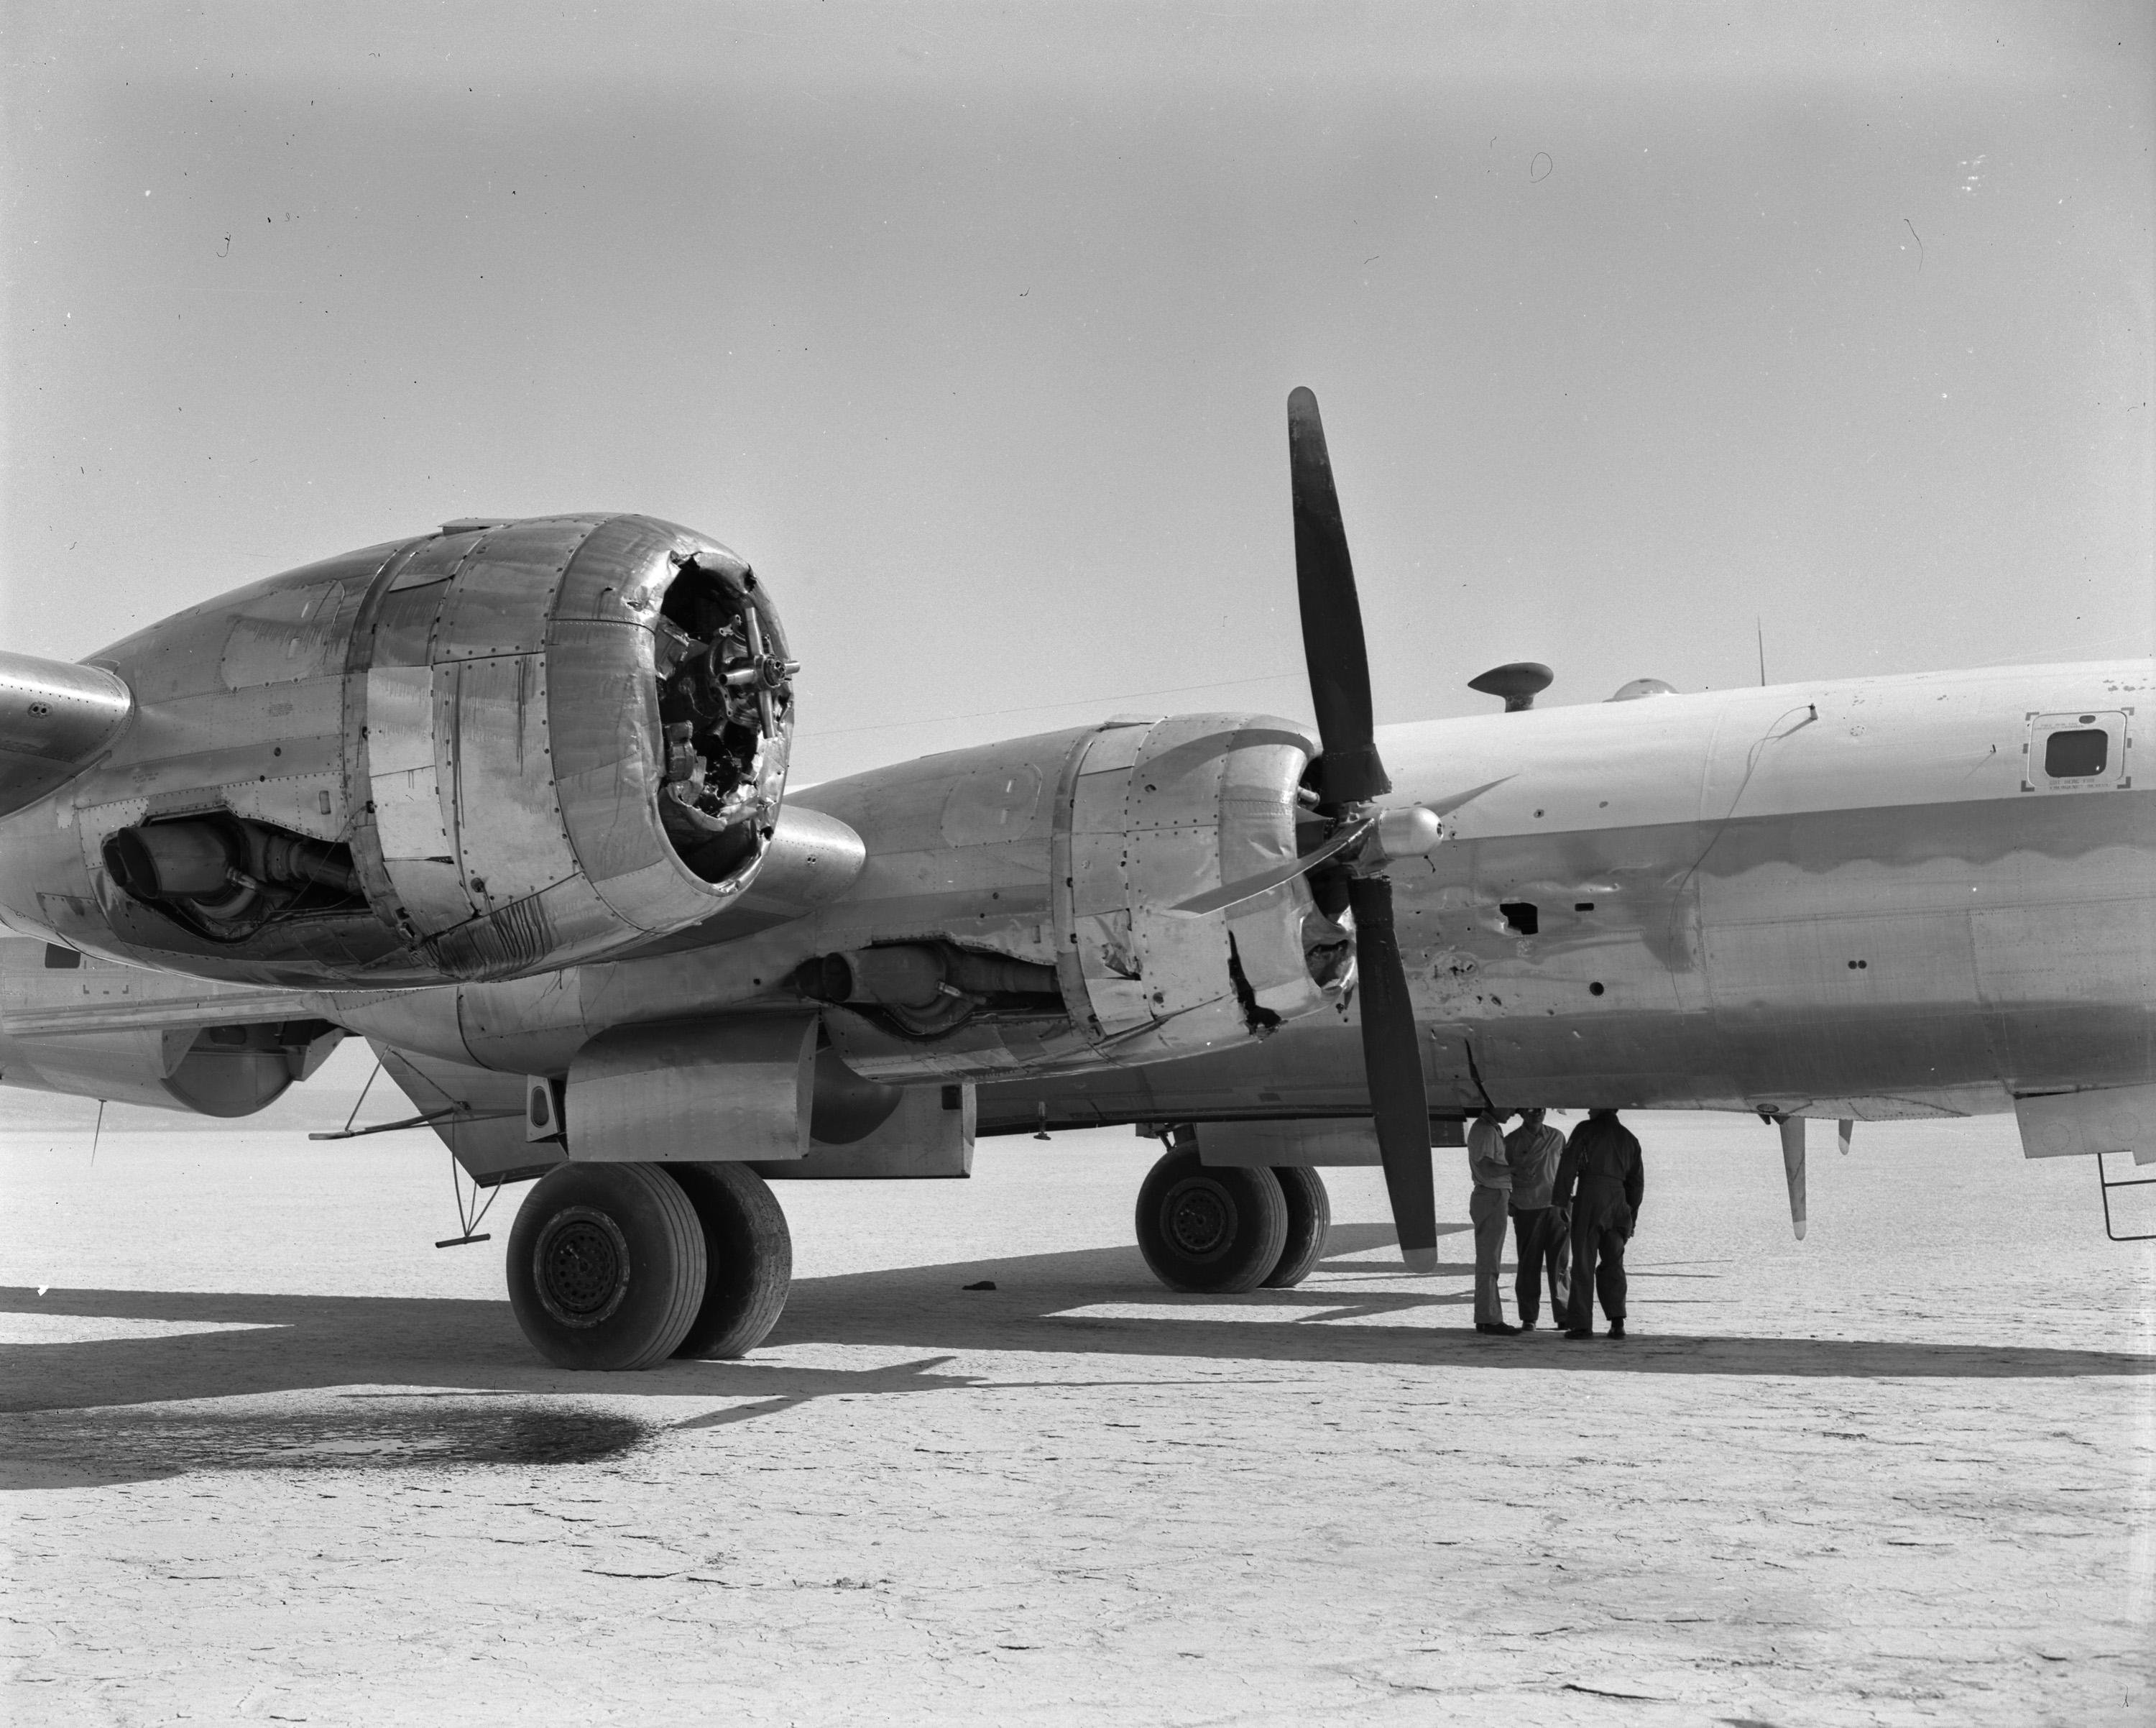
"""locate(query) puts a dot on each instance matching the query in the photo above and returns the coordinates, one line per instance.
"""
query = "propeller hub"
(1414, 832)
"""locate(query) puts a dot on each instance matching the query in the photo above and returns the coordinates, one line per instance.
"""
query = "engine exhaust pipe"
(918, 975)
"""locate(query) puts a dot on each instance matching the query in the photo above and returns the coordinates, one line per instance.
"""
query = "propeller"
(1349, 775)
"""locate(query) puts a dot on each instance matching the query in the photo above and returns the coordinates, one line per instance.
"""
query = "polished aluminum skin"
(458, 738)
(1857, 899)
(1863, 898)
(55, 718)
(161, 1040)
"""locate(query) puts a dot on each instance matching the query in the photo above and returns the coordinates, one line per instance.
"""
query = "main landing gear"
(1222, 1230)
(615, 1266)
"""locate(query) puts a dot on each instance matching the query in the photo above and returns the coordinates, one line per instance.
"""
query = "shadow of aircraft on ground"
(470, 1389)
(295, 1342)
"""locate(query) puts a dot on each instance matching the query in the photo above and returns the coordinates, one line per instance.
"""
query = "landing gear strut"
(620, 1265)
(1222, 1230)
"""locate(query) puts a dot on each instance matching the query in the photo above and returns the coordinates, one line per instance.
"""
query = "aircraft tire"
(1217, 1231)
(1309, 1220)
(606, 1266)
(748, 1252)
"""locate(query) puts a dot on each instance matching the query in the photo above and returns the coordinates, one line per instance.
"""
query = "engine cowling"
(1162, 812)
(498, 749)
(1069, 855)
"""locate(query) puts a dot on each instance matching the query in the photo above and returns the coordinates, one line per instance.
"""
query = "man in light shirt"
(1487, 1208)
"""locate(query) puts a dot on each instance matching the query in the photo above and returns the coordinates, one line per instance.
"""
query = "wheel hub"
(580, 1265)
(1200, 1218)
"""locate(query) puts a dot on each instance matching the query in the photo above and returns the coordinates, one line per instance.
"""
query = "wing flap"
(130, 1014)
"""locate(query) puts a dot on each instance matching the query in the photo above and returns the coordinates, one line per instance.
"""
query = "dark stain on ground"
(81, 1449)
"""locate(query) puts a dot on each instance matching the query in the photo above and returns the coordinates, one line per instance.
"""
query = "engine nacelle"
(499, 749)
(1158, 814)
(1020, 912)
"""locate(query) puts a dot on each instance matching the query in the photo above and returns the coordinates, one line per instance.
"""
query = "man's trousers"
(1597, 1266)
(1541, 1247)
(1485, 1209)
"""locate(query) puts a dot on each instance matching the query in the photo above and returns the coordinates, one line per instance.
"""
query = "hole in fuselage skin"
(1521, 916)
(1594, 990)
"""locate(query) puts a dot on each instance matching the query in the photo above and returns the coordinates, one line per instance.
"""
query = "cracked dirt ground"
(271, 1456)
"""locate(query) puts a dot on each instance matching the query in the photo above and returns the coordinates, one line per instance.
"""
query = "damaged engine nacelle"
(1159, 814)
(1056, 866)
(576, 737)
(502, 748)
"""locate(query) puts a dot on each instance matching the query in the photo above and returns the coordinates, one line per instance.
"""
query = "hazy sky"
(972, 327)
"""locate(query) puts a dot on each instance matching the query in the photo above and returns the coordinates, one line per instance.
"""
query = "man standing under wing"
(1600, 1176)
(1541, 1243)
(1485, 1208)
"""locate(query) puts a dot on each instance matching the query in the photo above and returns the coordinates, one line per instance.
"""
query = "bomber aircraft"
(509, 800)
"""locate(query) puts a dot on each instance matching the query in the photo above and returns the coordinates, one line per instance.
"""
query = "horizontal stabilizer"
(56, 719)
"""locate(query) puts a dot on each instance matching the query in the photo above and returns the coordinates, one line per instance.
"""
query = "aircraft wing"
(153, 1011)
(48, 991)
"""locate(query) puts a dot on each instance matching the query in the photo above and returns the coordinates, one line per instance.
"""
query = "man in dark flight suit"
(1600, 1175)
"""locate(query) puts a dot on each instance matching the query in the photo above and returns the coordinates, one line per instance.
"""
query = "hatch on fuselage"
(2077, 753)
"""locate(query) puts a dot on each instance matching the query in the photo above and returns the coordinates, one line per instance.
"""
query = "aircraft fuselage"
(1863, 898)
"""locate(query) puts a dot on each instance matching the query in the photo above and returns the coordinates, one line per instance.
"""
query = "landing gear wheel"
(749, 1253)
(606, 1266)
(1215, 1230)
(1309, 1218)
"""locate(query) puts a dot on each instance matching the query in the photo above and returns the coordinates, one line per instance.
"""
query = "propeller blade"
(1846, 1131)
(1419, 832)
(1348, 771)
(1392, 1062)
(1250, 888)
(1445, 806)
(1793, 1167)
